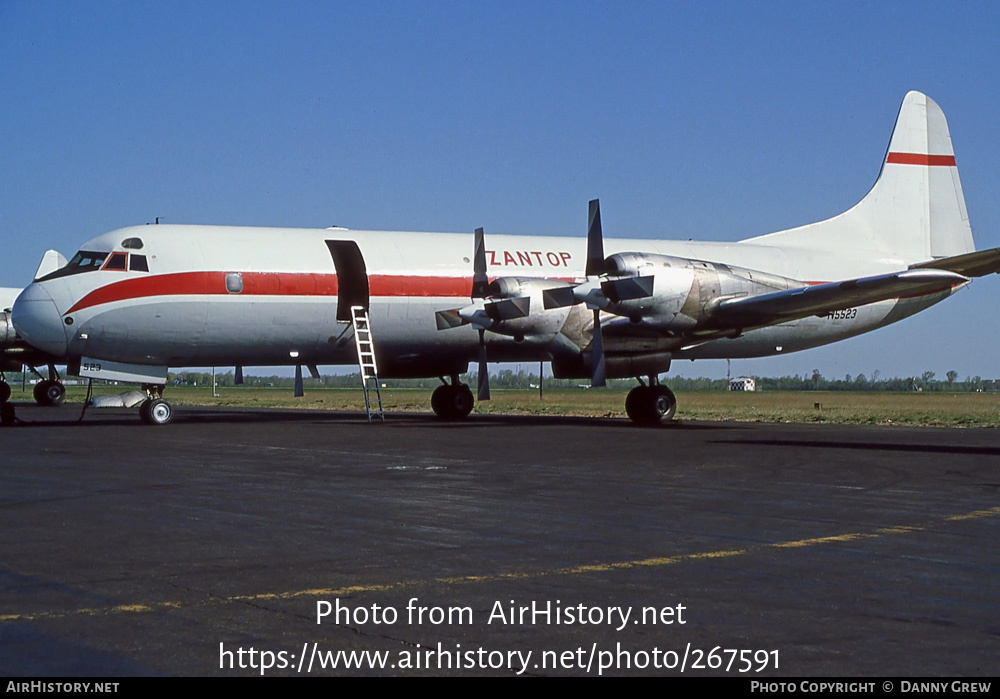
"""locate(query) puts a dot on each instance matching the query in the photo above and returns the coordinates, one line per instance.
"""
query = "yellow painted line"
(585, 569)
(976, 514)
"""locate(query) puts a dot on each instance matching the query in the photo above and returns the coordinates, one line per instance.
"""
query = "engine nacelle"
(684, 292)
(527, 316)
(616, 366)
(8, 337)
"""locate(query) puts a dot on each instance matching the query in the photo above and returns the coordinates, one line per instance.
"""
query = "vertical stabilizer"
(916, 210)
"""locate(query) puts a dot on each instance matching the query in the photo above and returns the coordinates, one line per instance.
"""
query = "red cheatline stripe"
(920, 159)
(269, 284)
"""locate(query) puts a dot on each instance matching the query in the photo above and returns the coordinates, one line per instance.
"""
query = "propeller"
(480, 286)
(595, 267)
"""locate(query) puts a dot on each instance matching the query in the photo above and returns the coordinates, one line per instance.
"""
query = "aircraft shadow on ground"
(867, 446)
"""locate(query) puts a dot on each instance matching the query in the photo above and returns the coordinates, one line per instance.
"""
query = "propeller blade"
(595, 241)
(484, 372)
(559, 297)
(508, 309)
(479, 279)
(627, 288)
(599, 377)
(449, 319)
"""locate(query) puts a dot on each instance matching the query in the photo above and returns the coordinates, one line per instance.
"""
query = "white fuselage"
(267, 296)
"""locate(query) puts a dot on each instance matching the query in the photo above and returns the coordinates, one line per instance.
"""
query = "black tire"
(663, 405)
(637, 404)
(46, 390)
(55, 393)
(4, 391)
(650, 405)
(441, 403)
(144, 410)
(157, 412)
(462, 402)
(452, 402)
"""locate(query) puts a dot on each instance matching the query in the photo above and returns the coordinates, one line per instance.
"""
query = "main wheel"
(49, 392)
(156, 412)
(664, 404)
(636, 403)
(462, 401)
(6, 414)
(4, 391)
(452, 402)
(440, 402)
(650, 405)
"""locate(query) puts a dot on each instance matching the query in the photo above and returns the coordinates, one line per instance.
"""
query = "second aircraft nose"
(38, 322)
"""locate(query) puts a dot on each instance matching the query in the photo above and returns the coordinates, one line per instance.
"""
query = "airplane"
(15, 355)
(137, 300)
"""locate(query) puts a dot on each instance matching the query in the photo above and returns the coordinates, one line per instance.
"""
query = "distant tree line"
(508, 378)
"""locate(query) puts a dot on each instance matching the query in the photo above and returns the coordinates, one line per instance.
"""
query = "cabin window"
(137, 263)
(116, 262)
(234, 282)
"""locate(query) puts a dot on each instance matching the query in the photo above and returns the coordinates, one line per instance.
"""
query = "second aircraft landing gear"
(49, 392)
(650, 404)
(154, 410)
(452, 401)
(6, 409)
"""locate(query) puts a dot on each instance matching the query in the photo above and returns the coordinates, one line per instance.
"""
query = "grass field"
(931, 408)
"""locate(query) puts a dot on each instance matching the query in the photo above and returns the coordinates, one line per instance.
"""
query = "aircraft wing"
(972, 264)
(783, 306)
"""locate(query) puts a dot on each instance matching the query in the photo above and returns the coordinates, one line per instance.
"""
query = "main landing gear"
(6, 409)
(49, 391)
(452, 401)
(154, 410)
(650, 404)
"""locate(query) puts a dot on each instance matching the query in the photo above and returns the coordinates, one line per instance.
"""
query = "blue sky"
(714, 121)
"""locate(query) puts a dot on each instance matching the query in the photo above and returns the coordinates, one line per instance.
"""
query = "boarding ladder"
(366, 361)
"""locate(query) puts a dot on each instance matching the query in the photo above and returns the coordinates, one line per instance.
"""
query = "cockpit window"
(116, 262)
(132, 243)
(137, 263)
(83, 261)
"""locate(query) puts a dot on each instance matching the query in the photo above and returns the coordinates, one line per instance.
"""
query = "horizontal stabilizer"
(783, 306)
(972, 264)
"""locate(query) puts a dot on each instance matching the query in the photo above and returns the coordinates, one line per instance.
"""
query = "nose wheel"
(650, 404)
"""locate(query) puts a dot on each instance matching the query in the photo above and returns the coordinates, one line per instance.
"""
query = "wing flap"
(783, 306)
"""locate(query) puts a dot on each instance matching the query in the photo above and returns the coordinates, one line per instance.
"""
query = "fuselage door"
(352, 277)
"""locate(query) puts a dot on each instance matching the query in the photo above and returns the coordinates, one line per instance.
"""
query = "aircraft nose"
(38, 321)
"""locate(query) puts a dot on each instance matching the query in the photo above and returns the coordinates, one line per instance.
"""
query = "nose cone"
(37, 320)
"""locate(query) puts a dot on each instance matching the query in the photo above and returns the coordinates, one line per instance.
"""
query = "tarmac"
(249, 542)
